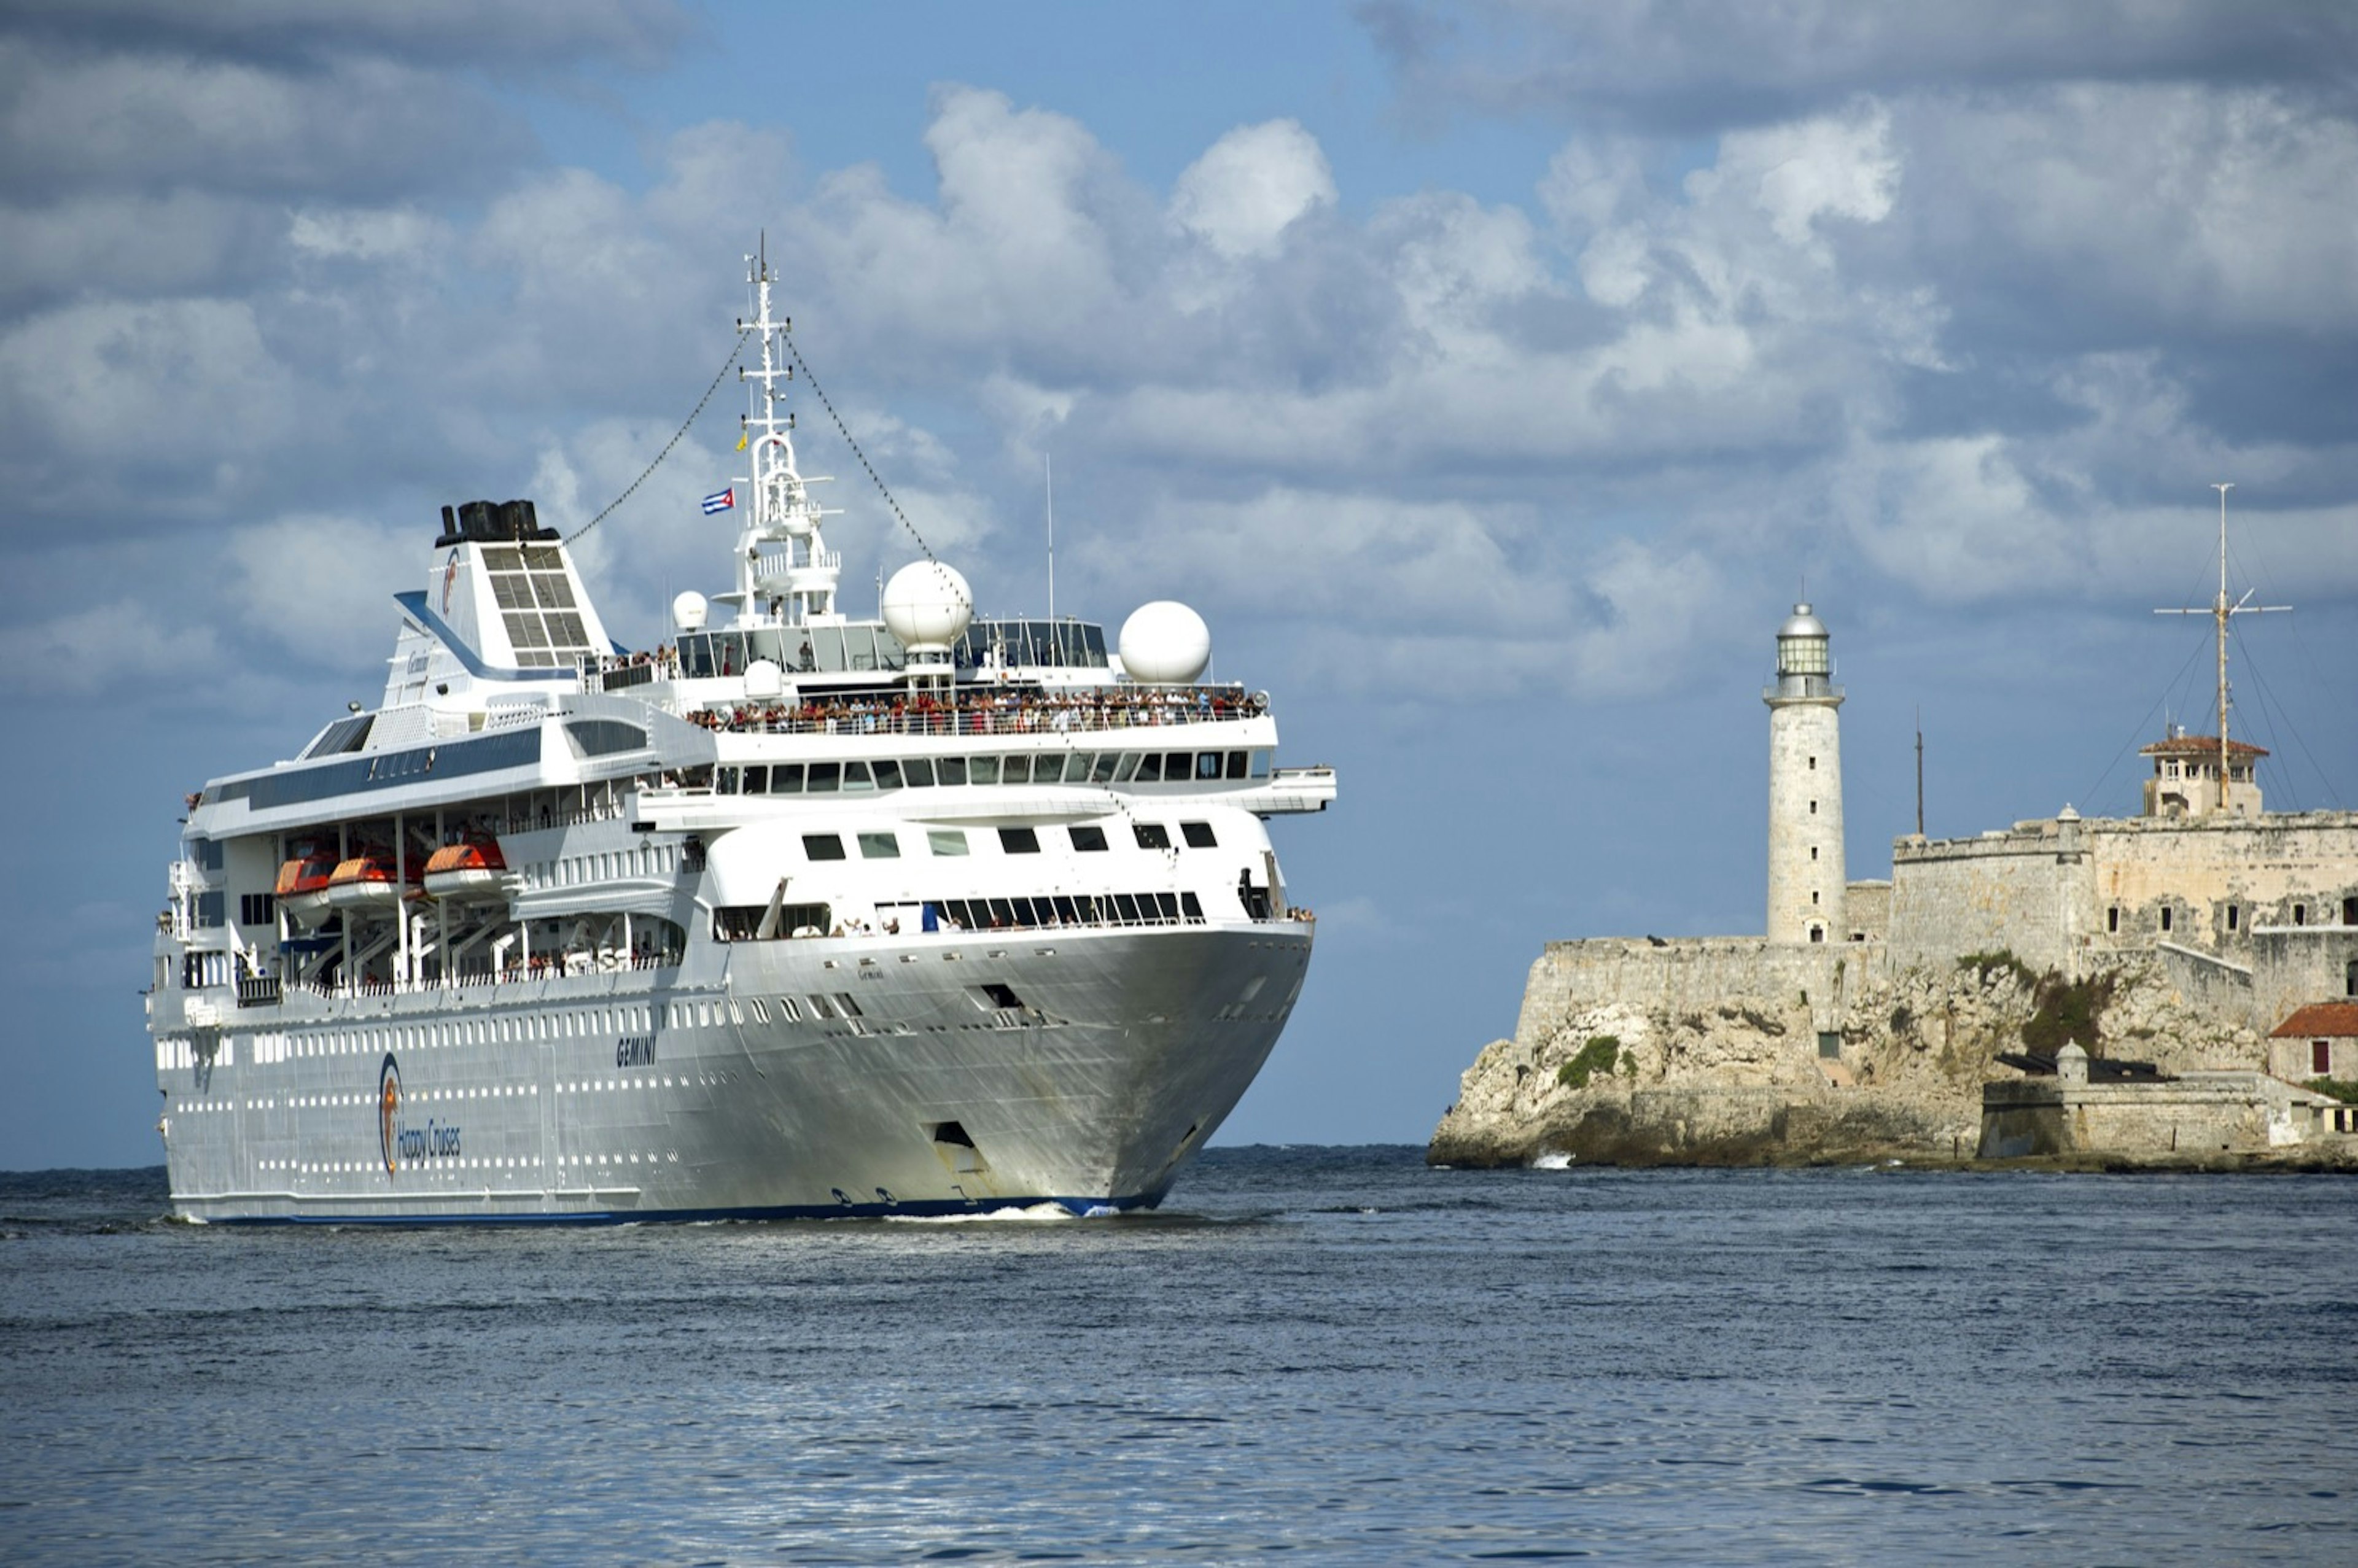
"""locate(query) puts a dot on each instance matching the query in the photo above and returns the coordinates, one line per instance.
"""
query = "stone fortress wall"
(2259, 914)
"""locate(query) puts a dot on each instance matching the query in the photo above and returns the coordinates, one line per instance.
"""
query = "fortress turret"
(1805, 819)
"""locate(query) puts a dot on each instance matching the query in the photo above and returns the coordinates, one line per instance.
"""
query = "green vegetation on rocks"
(1602, 1052)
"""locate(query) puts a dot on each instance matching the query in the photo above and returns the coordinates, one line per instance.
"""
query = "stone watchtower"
(1805, 815)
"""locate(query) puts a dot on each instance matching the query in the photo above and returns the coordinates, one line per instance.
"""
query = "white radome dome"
(687, 611)
(1165, 644)
(927, 604)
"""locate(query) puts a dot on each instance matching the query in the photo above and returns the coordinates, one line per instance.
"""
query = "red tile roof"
(2319, 1020)
(2200, 746)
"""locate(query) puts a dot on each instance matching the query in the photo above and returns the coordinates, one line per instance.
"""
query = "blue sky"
(1491, 377)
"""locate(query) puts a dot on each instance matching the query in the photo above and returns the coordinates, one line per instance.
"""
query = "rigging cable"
(2270, 699)
(677, 436)
(824, 402)
(2158, 705)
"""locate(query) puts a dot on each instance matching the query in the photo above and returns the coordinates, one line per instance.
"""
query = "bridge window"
(1087, 839)
(1019, 840)
(823, 846)
(945, 840)
(1152, 835)
(1198, 835)
(879, 846)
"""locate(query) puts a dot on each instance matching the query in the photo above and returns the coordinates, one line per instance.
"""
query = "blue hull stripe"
(927, 1208)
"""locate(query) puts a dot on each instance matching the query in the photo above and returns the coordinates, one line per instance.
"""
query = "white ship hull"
(1129, 1049)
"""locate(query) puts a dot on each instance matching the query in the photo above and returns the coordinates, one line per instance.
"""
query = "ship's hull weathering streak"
(795, 914)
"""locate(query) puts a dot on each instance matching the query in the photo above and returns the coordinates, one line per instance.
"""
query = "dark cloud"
(1690, 65)
(530, 35)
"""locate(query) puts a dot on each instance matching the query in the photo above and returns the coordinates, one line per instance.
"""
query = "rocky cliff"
(1611, 1064)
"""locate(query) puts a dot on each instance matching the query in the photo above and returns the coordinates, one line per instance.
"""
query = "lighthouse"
(1805, 813)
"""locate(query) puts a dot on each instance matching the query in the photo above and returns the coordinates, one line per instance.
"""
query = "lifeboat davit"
(474, 869)
(366, 883)
(302, 889)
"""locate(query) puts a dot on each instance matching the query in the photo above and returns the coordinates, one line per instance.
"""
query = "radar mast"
(786, 574)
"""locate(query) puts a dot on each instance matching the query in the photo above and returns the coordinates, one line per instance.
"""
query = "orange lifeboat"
(302, 889)
(474, 869)
(365, 882)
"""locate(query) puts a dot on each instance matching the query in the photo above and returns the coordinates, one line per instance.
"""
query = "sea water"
(1311, 1354)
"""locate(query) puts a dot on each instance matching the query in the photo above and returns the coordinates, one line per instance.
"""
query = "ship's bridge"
(834, 647)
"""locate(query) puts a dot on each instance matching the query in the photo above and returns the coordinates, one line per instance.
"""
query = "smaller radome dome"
(1801, 623)
(687, 611)
(1165, 644)
(928, 605)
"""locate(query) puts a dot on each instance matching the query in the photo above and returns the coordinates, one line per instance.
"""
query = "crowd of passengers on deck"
(993, 712)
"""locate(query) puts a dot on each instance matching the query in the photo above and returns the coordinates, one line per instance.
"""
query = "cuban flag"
(720, 500)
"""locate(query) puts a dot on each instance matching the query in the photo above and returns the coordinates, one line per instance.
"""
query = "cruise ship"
(796, 914)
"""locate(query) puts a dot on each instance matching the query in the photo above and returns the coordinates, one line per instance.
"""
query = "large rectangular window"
(1019, 840)
(1198, 835)
(823, 846)
(1088, 838)
(1152, 835)
(879, 847)
(945, 840)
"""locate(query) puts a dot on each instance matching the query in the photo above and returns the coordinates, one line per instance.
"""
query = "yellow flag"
(742, 437)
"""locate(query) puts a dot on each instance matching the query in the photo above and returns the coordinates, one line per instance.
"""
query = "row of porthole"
(604, 1086)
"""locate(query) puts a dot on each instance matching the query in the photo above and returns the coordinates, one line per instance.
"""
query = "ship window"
(1088, 838)
(1001, 912)
(850, 1007)
(918, 772)
(1019, 840)
(1235, 765)
(856, 777)
(724, 781)
(996, 994)
(1070, 914)
(820, 1007)
(888, 775)
(1128, 907)
(1127, 768)
(1076, 767)
(945, 840)
(1150, 768)
(982, 770)
(1178, 766)
(1260, 765)
(1016, 770)
(879, 846)
(257, 908)
(824, 778)
(756, 781)
(1198, 835)
(1103, 772)
(1207, 766)
(823, 846)
(952, 770)
(1152, 835)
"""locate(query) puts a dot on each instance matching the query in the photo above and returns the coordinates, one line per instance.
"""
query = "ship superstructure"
(798, 915)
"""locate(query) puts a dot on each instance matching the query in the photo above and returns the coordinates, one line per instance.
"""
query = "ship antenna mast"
(802, 576)
(2223, 609)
